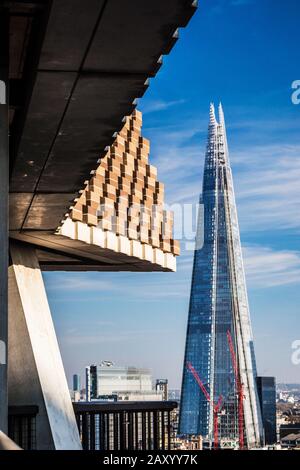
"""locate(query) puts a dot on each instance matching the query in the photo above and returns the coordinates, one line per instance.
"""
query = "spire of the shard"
(210, 156)
(212, 117)
(223, 131)
(212, 113)
(212, 126)
(221, 113)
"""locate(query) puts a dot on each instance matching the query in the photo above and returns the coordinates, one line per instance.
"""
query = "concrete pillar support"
(35, 372)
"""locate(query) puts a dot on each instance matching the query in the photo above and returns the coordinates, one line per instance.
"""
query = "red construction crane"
(240, 391)
(216, 406)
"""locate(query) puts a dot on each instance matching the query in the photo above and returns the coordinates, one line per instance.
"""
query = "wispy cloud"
(219, 5)
(92, 286)
(267, 187)
(237, 3)
(159, 105)
(98, 338)
(266, 267)
(77, 282)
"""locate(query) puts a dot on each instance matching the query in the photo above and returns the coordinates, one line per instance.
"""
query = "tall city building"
(267, 397)
(219, 330)
(76, 383)
(91, 382)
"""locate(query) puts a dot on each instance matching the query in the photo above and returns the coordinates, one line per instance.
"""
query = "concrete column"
(4, 164)
(6, 443)
(35, 372)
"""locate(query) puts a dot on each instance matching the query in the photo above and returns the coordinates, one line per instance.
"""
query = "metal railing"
(22, 426)
(104, 425)
(125, 425)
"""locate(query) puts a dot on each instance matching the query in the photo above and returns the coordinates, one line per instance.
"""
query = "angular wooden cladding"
(124, 196)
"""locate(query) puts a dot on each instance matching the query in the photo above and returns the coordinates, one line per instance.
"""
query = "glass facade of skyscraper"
(218, 308)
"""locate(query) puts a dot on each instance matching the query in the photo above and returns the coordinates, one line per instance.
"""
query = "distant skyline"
(244, 53)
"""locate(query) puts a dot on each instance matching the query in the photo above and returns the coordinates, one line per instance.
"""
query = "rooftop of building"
(291, 437)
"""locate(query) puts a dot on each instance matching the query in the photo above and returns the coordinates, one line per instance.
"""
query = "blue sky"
(246, 54)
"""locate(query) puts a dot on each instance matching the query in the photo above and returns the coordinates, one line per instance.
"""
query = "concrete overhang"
(76, 69)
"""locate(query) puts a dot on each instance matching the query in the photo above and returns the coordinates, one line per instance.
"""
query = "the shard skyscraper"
(219, 312)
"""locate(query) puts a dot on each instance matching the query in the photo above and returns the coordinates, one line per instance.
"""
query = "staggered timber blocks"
(123, 200)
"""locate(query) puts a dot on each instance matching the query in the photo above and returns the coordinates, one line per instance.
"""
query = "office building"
(76, 383)
(267, 396)
(162, 386)
(110, 382)
(91, 382)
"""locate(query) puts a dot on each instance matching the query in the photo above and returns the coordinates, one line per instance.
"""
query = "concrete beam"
(36, 374)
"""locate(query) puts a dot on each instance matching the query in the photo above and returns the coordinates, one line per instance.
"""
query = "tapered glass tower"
(218, 313)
